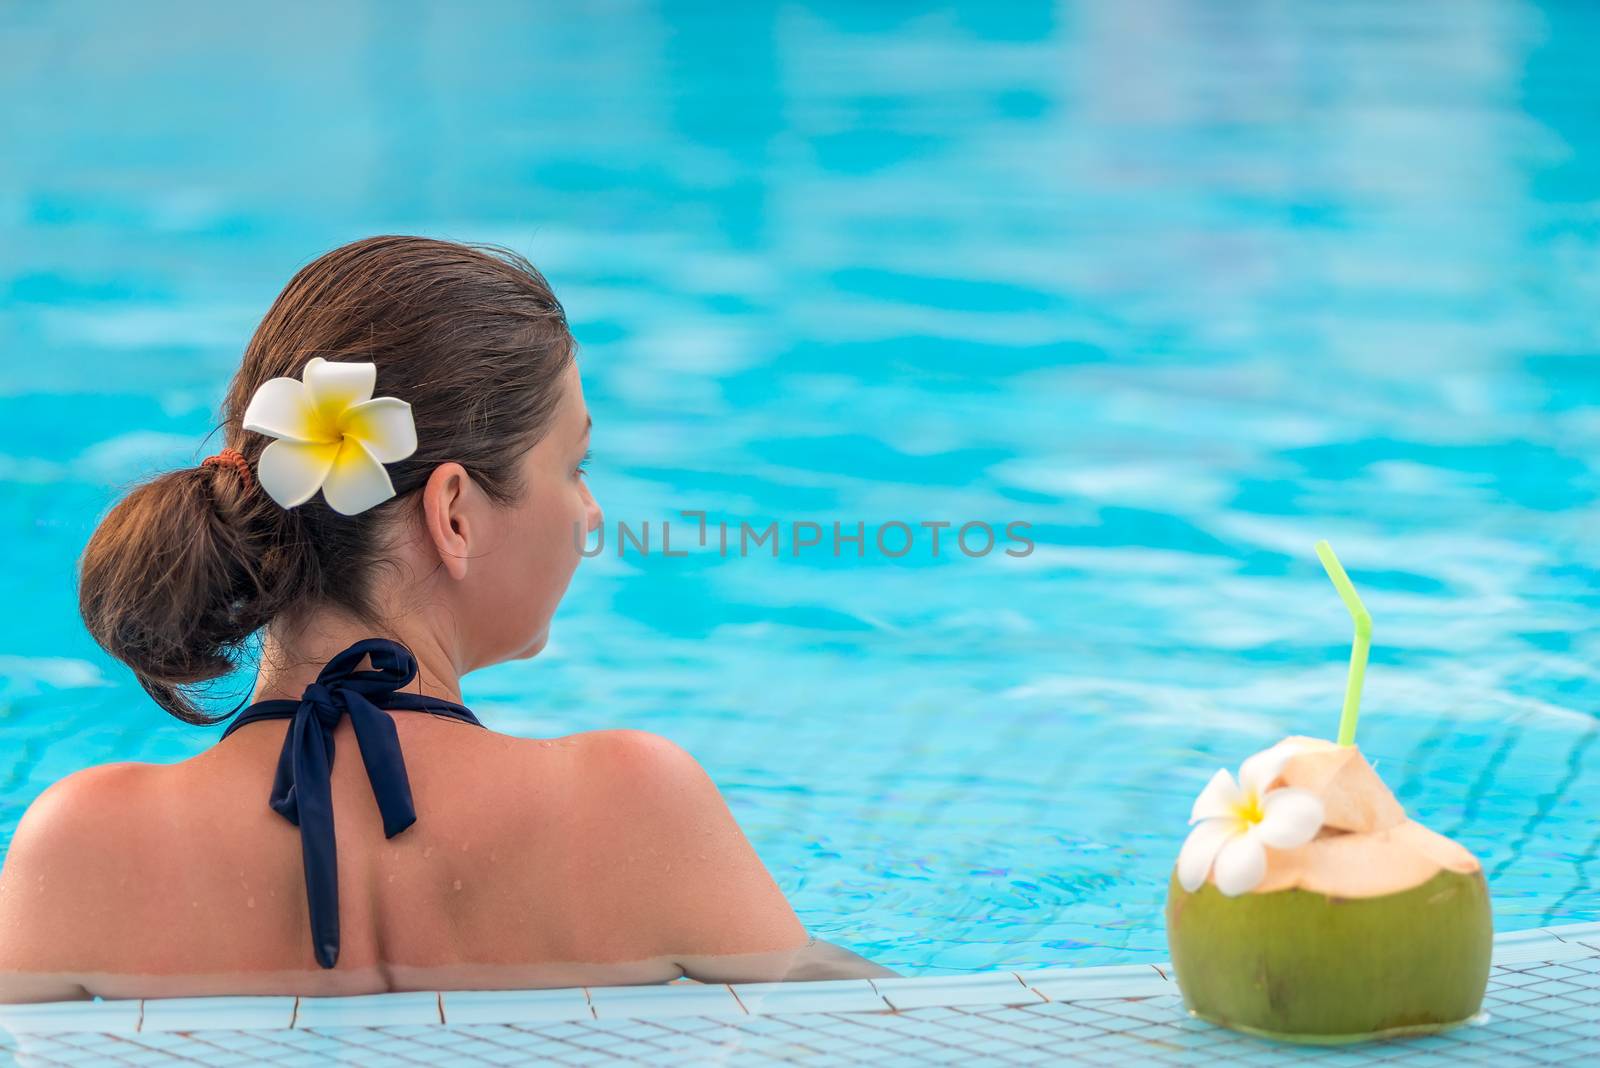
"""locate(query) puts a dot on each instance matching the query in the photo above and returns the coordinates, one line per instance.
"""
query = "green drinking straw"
(1358, 648)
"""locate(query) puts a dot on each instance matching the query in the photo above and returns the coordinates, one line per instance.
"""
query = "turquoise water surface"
(1185, 287)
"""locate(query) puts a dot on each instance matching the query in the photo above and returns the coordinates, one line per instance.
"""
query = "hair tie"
(230, 457)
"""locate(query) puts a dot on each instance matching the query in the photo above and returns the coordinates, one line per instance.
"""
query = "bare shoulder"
(635, 777)
(649, 826)
(643, 759)
(85, 812)
(610, 761)
(74, 840)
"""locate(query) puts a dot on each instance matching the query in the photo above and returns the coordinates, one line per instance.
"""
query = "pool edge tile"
(248, 1013)
(393, 1009)
(1582, 933)
(822, 995)
(663, 1000)
(984, 988)
(552, 1005)
(1086, 984)
(1537, 946)
(118, 1017)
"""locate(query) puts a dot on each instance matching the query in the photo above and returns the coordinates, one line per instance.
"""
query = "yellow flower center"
(327, 422)
(1248, 811)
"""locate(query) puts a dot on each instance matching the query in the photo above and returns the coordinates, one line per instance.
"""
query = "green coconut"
(1376, 927)
(1315, 968)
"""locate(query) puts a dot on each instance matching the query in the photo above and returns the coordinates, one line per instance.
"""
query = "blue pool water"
(1184, 286)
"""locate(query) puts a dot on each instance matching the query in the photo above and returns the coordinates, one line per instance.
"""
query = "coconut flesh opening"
(1367, 847)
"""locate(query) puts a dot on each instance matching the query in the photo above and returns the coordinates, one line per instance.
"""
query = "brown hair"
(191, 564)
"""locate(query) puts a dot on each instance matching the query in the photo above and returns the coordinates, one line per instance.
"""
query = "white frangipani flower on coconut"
(333, 435)
(1236, 822)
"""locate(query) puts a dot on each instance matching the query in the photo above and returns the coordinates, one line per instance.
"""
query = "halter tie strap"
(302, 790)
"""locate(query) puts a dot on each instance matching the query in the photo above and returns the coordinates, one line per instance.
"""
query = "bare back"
(594, 859)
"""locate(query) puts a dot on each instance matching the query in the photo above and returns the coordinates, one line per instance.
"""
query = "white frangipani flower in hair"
(333, 435)
(1235, 823)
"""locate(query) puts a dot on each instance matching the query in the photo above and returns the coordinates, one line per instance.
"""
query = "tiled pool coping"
(1544, 998)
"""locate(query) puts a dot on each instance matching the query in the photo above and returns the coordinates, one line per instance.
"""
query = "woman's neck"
(291, 659)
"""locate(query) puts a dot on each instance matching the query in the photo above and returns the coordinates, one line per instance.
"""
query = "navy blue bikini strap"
(301, 790)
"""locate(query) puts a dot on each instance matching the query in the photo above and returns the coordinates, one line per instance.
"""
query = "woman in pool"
(396, 506)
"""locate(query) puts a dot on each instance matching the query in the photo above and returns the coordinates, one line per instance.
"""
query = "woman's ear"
(445, 499)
